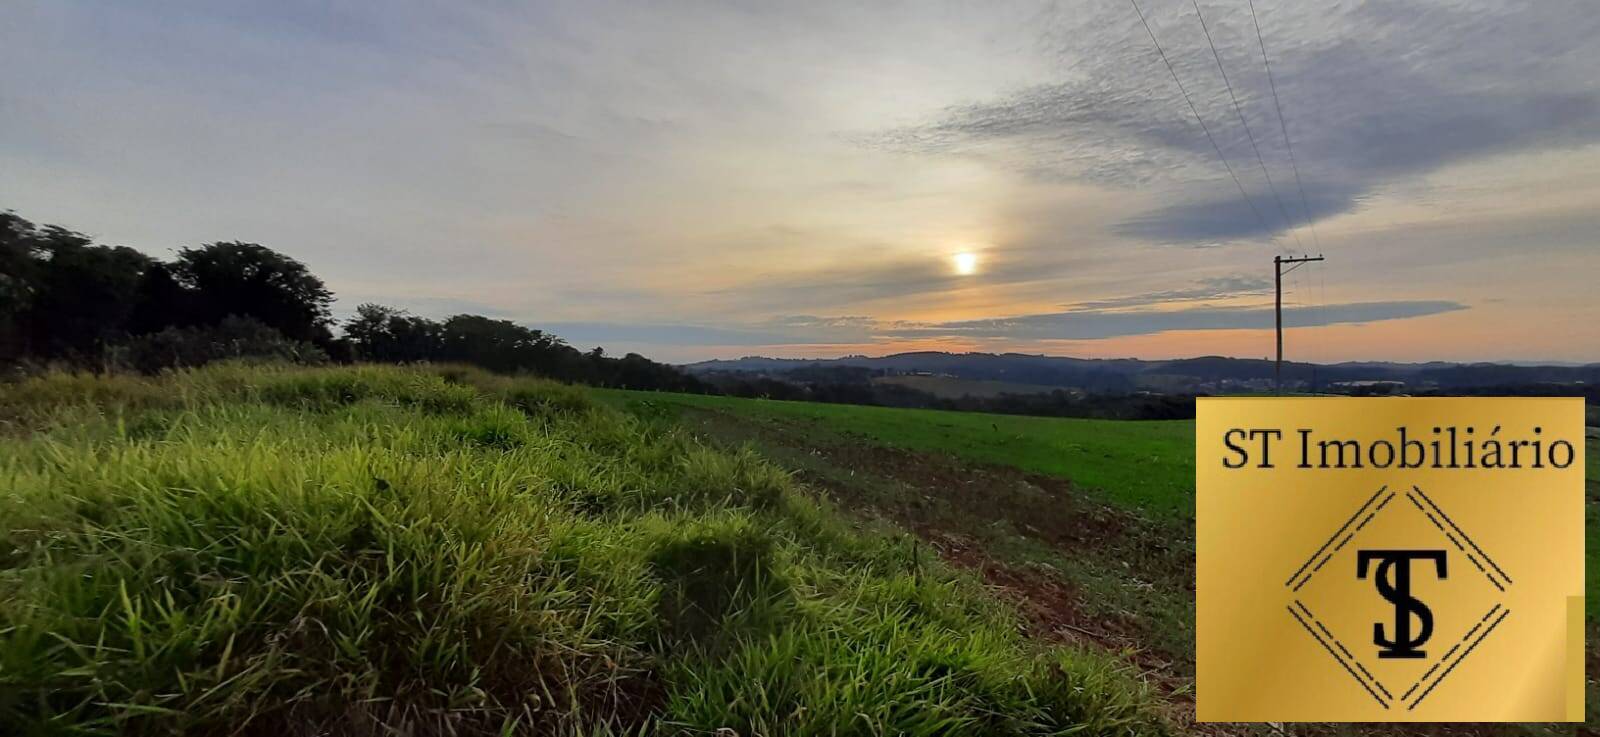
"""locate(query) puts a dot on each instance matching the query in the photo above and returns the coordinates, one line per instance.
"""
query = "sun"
(965, 263)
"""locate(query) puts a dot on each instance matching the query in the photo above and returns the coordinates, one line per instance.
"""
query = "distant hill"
(1201, 374)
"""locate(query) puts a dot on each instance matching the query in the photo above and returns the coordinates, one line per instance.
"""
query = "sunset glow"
(688, 181)
(965, 263)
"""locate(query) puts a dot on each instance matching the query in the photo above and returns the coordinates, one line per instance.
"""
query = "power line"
(1237, 108)
(1321, 294)
(1305, 205)
(1199, 119)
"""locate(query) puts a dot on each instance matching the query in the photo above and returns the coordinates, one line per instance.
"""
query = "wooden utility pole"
(1277, 307)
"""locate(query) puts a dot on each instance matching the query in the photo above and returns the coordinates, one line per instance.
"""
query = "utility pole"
(1277, 307)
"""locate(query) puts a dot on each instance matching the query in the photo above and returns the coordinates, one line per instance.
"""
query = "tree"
(379, 333)
(251, 280)
(64, 298)
(502, 345)
(234, 337)
(80, 294)
(18, 275)
(161, 302)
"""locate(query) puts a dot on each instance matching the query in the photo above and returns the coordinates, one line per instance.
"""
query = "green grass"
(262, 549)
(1145, 466)
(1141, 465)
(1129, 570)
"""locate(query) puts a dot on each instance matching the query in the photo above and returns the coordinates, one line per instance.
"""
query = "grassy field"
(950, 387)
(1142, 465)
(1145, 466)
(1086, 524)
(368, 550)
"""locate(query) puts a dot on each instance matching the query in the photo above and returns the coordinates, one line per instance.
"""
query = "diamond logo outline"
(1341, 538)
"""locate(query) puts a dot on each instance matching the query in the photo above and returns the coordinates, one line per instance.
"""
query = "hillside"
(368, 550)
(1087, 525)
(274, 550)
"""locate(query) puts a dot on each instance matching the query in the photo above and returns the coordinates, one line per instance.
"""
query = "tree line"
(67, 300)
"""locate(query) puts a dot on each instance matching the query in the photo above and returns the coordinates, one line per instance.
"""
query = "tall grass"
(366, 550)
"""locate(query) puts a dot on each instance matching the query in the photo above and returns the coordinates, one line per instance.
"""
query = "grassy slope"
(300, 551)
(1145, 466)
(1142, 465)
(1096, 562)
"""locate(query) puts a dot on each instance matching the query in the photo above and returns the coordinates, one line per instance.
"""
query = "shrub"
(233, 338)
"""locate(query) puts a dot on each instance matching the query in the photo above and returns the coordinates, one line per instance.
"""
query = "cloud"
(1220, 214)
(1095, 324)
(1090, 323)
(673, 173)
(786, 330)
(1217, 287)
(1372, 93)
(845, 284)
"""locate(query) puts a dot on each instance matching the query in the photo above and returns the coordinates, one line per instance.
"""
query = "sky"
(709, 180)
